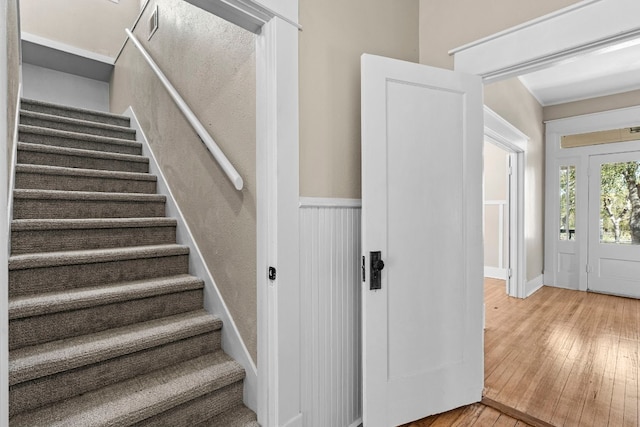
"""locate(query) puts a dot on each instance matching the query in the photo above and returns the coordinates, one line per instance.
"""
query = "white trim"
(248, 14)
(519, 27)
(322, 202)
(208, 141)
(534, 285)
(63, 47)
(595, 25)
(214, 303)
(495, 272)
(500, 132)
(357, 423)
(495, 202)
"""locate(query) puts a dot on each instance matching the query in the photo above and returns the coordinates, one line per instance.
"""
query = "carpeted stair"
(106, 325)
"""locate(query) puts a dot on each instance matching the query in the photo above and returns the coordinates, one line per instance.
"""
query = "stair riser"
(61, 111)
(53, 159)
(38, 181)
(198, 410)
(58, 278)
(54, 388)
(69, 209)
(32, 241)
(58, 141)
(41, 329)
(78, 128)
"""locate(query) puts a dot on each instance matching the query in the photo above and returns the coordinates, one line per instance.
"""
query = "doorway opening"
(496, 212)
(505, 208)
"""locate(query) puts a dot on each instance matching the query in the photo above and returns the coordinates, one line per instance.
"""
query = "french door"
(614, 224)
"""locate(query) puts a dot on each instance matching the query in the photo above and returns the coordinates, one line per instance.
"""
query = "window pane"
(567, 202)
(619, 203)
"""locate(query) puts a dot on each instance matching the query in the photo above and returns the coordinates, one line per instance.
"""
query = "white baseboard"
(495, 272)
(12, 171)
(534, 285)
(231, 340)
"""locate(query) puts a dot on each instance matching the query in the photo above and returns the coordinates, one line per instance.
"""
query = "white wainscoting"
(330, 279)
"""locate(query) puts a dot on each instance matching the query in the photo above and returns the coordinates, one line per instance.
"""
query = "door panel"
(614, 218)
(422, 208)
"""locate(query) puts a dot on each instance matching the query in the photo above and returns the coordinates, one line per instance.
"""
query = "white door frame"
(506, 136)
(277, 176)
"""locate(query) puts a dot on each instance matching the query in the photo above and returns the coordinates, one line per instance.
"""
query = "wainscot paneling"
(330, 280)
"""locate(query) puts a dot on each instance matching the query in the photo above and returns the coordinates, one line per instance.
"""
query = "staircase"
(106, 324)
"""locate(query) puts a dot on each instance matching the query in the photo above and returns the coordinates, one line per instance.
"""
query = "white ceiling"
(612, 70)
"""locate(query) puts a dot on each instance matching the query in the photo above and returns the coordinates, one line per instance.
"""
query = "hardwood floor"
(567, 358)
(477, 415)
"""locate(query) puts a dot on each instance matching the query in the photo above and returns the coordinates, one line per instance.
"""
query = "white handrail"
(217, 153)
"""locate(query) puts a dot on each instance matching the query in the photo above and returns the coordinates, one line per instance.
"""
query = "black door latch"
(375, 265)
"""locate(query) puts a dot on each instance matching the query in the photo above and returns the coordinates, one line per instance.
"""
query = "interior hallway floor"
(567, 358)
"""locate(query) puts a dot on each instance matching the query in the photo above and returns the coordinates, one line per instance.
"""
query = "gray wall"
(212, 65)
(93, 25)
(49, 85)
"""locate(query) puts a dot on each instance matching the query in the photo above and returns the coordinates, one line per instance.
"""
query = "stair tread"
(77, 135)
(79, 152)
(40, 360)
(139, 398)
(53, 302)
(72, 121)
(239, 416)
(90, 223)
(25, 102)
(98, 173)
(27, 193)
(92, 256)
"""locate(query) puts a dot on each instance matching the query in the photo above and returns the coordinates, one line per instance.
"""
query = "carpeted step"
(143, 397)
(38, 361)
(39, 154)
(61, 138)
(37, 319)
(52, 235)
(44, 177)
(57, 387)
(41, 204)
(193, 412)
(31, 118)
(239, 416)
(57, 271)
(73, 112)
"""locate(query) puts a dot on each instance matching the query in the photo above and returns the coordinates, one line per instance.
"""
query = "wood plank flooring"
(477, 415)
(568, 358)
(564, 357)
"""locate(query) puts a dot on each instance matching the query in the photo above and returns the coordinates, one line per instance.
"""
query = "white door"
(614, 250)
(422, 137)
